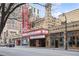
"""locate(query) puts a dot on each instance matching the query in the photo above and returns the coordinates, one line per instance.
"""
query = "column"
(65, 41)
(76, 41)
(28, 42)
(48, 43)
(21, 41)
(37, 43)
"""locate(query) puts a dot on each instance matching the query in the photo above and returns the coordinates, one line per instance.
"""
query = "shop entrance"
(56, 43)
(18, 42)
(37, 42)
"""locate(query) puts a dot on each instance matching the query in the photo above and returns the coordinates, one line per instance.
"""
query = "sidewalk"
(74, 50)
(21, 46)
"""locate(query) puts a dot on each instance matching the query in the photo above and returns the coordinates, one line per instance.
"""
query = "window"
(61, 41)
(37, 11)
(72, 41)
(30, 12)
(77, 41)
(33, 24)
(34, 10)
(13, 24)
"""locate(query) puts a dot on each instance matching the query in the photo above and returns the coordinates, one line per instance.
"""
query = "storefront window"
(72, 41)
(61, 42)
(52, 43)
(69, 33)
(77, 41)
(62, 34)
(24, 41)
(52, 40)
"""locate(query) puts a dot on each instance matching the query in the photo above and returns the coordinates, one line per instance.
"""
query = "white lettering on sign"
(36, 37)
(32, 33)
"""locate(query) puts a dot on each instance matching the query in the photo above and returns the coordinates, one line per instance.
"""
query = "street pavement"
(25, 51)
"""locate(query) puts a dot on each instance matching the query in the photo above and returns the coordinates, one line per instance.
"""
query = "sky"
(57, 8)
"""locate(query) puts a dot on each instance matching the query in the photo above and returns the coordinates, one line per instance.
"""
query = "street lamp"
(65, 33)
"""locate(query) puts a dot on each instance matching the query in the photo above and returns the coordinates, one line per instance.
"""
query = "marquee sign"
(25, 19)
(37, 32)
(39, 36)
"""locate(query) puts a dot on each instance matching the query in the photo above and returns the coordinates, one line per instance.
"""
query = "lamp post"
(65, 33)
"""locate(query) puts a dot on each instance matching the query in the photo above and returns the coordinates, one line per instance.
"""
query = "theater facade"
(37, 38)
(50, 32)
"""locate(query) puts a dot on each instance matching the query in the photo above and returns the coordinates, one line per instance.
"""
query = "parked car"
(10, 45)
(2, 45)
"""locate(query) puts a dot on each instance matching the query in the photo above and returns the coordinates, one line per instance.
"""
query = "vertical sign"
(25, 18)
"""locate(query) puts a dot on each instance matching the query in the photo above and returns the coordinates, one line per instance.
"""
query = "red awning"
(36, 32)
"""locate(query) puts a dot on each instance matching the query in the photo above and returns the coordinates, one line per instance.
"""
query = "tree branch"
(12, 11)
(2, 12)
(9, 7)
(4, 16)
(16, 7)
(0, 7)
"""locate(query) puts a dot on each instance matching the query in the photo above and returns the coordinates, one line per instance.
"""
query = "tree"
(6, 10)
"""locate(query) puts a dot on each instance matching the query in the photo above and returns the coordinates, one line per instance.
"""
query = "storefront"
(17, 42)
(74, 40)
(57, 40)
(38, 41)
(37, 38)
(25, 41)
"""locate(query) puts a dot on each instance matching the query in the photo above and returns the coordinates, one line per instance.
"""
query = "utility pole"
(65, 33)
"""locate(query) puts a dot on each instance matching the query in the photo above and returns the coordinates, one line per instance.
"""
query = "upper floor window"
(33, 24)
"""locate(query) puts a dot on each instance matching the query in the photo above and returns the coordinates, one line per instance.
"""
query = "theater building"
(37, 38)
(38, 34)
(56, 29)
(40, 29)
(50, 32)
